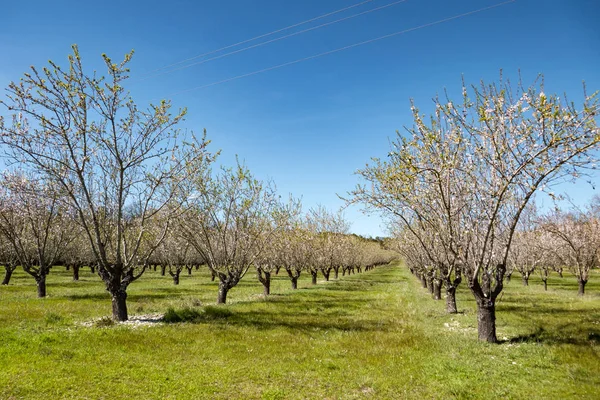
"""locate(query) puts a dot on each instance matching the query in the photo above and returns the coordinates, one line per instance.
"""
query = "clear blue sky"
(310, 125)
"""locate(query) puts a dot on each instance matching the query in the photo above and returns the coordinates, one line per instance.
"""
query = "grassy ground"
(373, 335)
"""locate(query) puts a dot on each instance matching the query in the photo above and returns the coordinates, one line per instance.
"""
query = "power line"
(261, 36)
(343, 48)
(275, 40)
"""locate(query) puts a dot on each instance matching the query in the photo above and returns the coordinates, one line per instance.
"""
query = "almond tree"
(86, 134)
(576, 241)
(495, 151)
(35, 222)
(298, 252)
(174, 254)
(330, 229)
(9, 259)
(228, 221)
(526, 252)
(272, 256)
(78, 253)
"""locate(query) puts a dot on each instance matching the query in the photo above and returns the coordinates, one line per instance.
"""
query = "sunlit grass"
(372, 335)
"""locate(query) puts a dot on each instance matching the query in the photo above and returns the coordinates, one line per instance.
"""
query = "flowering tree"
(9, 259)
(118, 165)
(78, 253)
(272, 257)
(576, 237)
(228, 221)
(173, 255)
(35, 221)
(477, 165)
(527, 251)
(329, 229)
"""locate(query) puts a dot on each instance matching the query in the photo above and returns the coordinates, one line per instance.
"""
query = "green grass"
(375, 335)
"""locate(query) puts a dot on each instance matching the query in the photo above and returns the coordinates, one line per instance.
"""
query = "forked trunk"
(277, 270)
(486, 321)
(265, 279)
(119, 305)
(313, 275)
(451, 300)
(326, 273)
(359, 270)
(189, 269)
(582, 283)
(222, 294)
(41, 286)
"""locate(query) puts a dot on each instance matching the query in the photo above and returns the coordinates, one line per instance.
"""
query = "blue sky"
(310, 125)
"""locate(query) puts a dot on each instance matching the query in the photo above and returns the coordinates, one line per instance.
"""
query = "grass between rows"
(371, 335)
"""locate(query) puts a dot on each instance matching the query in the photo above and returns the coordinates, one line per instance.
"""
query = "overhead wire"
(261, 36)
(274, 40)
(343, 48)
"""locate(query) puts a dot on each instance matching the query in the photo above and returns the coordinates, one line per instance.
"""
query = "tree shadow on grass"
(558, 335)
(302, 322)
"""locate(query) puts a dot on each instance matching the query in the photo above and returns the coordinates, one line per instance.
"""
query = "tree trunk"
(582, 283)
(430, 284)
(326, 273)
(41, 286)
(76, 272)
(314, 277)
(222, 295)
(7, 274)
(451, 300)
(154, 267)
(67, 267)
(359, 270)
(545, 284)
(437, 289)
(277, 270)
(212, 277)
(508, 277)
(163, 270)
(525, 280)
(486, 321)
(336, 273)
(560, 272)
(267, 284)
(189, 269)
(294, 283)
(175, 276)
(423, 280)
(93, 269)
(119, 305)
